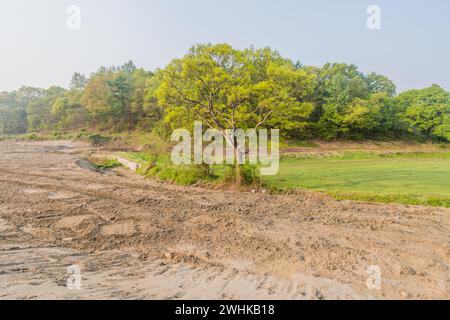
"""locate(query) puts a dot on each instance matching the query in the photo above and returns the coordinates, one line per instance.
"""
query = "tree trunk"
(238, 169)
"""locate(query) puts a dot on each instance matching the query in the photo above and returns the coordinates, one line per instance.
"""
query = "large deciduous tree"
(234, 89)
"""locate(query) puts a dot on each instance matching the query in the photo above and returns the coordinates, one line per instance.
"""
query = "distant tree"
(128, 67)
(68, 112)
(78, 81)
(13, 115)
(379, 83)
(39, 110)
(347, 102)
(95, 99)
(26, 95)
(12, 120)
(39, 115)
(120, 99)
(144, 106)
(443, 129)
(426, 110)
(368, 116)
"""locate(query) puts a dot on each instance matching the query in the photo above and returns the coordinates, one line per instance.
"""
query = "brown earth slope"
(137, 238)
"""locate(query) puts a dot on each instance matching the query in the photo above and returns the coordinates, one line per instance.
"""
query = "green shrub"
(107, 164)
(98, 140)
(55, 134)
(181, 175)
(243, 175)
(33, 136)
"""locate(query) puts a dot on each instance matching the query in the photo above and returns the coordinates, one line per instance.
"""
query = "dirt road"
(136, 238)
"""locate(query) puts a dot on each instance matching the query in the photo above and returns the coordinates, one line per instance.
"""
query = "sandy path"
(135, 238)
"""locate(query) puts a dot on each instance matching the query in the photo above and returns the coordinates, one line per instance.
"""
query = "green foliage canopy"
(227, 88)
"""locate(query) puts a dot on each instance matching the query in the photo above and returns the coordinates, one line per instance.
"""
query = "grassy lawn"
(399, 178)
(413, 178)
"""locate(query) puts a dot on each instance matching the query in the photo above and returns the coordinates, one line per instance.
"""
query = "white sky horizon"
(412, 48)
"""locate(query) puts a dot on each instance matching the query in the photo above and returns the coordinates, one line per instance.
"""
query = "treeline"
(331, 102)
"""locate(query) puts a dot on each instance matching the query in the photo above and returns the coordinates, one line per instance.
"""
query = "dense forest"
(223, 86)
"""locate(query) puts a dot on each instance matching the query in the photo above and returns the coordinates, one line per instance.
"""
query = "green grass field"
(410, 178)
(415, 178)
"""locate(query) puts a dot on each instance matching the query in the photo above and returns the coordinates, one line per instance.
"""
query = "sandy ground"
(141, 239)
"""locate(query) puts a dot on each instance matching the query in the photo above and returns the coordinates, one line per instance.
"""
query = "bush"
(98, 140)
(56, 134)
(181, 175)
(242, 175)
(33, 136)
(154, 150)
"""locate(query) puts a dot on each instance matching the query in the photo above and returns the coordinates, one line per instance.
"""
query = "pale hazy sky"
(37, 48)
